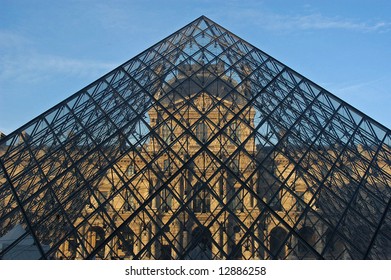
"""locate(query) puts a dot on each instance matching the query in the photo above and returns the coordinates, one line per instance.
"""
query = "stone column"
(137, 246)
(215, 231)
(154, 201)
(108, 248)
(248, 246)
(145, 237)
(92, 240)
(154, 252)
(176, 242)
(81, 250)
(225, 240)
(185, 239)
(258, 253)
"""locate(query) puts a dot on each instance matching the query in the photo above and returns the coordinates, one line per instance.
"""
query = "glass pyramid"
(201, 147)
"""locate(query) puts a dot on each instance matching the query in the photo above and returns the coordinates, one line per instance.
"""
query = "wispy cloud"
(368, 88)
(318, 21)
(10, 40)
(36, 67)
(20, 61)
(24, 69)
(309, 21)
(369, 96)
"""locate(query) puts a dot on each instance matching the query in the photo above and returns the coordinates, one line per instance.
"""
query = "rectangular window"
(275, 202)
(235, 132)
(300, 205)
(102, 197)
(165, 252)
(235, 165)
(166, 133)
(166, 165)
(202, 132)
(130, 170)
(237, 203)
(129, 202)
(166, 200)
(201, 202)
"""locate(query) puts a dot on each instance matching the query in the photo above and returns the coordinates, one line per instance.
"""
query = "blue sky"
(51, 49)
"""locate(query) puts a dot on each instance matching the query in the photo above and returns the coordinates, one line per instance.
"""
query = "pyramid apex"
(205, 18)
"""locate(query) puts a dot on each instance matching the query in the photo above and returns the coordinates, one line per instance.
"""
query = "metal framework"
(201, 147)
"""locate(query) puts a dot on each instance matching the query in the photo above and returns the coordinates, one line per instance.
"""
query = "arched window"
(201, 202)
(72, 247)
(165, 252)
(98, 236)
(307, 235)
(201, 244)
(126, 241)
(236, 252)
(277, 243)
(335, 247)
